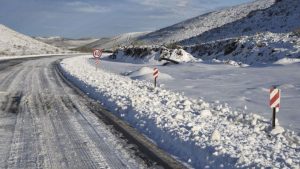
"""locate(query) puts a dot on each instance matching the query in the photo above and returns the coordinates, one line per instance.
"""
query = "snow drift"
(146, 73)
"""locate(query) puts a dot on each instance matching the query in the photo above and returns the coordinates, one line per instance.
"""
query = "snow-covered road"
(45, 124)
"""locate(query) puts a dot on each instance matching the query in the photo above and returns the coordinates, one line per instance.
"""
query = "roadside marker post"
(274, 103)
(97, 54)
(155, 75)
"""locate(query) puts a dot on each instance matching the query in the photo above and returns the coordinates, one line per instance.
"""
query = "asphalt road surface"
(45, 124)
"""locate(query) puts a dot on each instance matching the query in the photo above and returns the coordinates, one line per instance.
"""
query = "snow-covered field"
(208, 115)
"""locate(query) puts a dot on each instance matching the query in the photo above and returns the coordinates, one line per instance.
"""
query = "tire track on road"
(51, 126)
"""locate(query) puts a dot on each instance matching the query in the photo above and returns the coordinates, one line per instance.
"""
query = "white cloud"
(164, 9)
(87, 8)
(162, 3)
(182, 3)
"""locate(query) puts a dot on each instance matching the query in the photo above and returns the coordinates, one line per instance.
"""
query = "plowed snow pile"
(205, 135)
(146, 73)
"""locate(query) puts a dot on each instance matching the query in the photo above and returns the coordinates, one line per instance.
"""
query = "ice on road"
(45, 124)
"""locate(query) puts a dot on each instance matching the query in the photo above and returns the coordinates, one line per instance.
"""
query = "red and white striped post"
(155, 75)
(274, 102)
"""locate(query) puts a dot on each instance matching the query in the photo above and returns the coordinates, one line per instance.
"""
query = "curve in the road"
(46, 122)
(43, 124)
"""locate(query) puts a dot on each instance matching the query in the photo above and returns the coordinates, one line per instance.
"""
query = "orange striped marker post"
(155, 75)
(274, 102)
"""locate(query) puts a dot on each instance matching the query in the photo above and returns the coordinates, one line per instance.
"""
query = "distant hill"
(66, 43)
(14, 43)
(120, 40)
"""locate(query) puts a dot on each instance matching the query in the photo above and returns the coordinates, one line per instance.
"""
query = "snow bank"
(151, 54)
(287, 61)
(135, 55)
(146, 73)
(199, 133)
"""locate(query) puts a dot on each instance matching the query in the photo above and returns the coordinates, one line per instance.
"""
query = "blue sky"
(100, 18)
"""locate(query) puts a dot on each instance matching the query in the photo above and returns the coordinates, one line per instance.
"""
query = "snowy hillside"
(206, 22)
(261, 48)
(114, 42)
(151, 54)
(66, 43)
(263, 36)
(14, 43)
(282, 17)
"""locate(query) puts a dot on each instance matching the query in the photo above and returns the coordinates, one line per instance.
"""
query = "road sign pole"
(274, 103)
(97, 54)
(274, 115)
(97, 62)
(155, 75)
(274, 118)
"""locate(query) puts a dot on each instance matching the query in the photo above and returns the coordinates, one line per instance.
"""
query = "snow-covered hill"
(282, 17)
(14, 43)
(114, 42)
(261, 48)
(151, 54)
(203, 23)
(262, 36)
(66, 43)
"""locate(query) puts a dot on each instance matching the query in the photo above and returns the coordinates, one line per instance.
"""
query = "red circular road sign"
(97, 53)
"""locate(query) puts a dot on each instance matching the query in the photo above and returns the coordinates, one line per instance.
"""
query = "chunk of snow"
(181, 55)
(216, 136)
(205, 113)
(277, 130)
